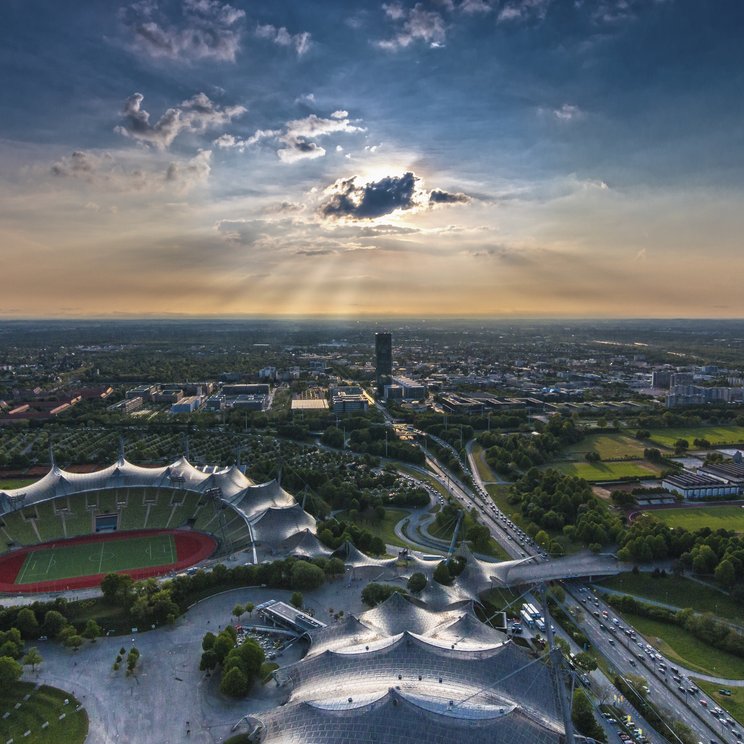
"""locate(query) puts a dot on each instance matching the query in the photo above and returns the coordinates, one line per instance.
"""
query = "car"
(725, 692)
(611, 642)
(704, 702)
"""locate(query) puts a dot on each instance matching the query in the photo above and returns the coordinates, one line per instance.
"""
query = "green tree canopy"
(10, 673)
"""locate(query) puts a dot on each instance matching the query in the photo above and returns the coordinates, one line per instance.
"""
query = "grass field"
(733, 704)
(677, 591)
(383, 528)
(44, 704)
(714, 434)
(715, 517)
(608, 471)
(8, 483)
(494, 549)
(608, 446)
(90, 558)
(484, 469)
(679, 645)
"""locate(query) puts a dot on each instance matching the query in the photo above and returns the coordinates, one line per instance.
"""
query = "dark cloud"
(205, 29)
(370, 200)
(437, 196)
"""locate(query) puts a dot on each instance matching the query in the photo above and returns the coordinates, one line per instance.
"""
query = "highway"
(623, 655)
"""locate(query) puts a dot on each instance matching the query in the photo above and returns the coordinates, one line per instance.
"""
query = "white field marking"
(100, 559)
(22, 575)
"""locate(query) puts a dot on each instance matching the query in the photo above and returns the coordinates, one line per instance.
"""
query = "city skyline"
(505, 158)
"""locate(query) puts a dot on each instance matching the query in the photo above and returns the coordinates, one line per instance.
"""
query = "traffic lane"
(663, 687)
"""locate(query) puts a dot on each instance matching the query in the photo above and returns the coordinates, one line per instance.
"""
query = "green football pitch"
(90, 558)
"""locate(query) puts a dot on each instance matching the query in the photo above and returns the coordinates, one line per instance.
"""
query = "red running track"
(191, 548)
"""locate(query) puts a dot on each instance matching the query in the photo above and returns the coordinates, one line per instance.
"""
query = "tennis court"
(64, 561)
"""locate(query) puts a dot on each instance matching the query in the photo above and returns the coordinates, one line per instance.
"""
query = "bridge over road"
(580, 565)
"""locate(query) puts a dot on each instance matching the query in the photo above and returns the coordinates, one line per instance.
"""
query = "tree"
(306, 576)
(725, 573)
(234, 683)
(27, 623)
(542, 538)
(92, 630)
(249, 607)
(586, 661)
(442, 574)
(238, 610)
(32, 658)
(223, 644)
(417, 582)
(53, 623)
(10, 673)
(117, 588)
(583, 717)
(208, 641)
(73, 641)
(297, 600)
(208, 660)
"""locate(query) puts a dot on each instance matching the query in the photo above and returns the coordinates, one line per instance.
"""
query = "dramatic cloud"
(295, 140)
(281, 37)
(197, 114)
(206, 29)
(414, 24)
(375, 199)
(349, 199)
(437, 196)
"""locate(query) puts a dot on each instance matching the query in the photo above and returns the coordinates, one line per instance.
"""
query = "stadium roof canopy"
(401, 673)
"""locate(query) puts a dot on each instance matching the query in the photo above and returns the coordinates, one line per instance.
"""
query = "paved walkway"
(168, 690)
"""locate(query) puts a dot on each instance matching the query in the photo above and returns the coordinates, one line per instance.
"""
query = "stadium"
(67, 530)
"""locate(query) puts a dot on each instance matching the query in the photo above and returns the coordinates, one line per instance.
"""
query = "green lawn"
(483, 468)
(734, 704)
(8, 483)
(677, 591)
(494, 549)
(608, 471)
(679, 645)
(714, 434)
(608, 446)
(45, 704)
(384, 528)
(695, 518)
(90, 558)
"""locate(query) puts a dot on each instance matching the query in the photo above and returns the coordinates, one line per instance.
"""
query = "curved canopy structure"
(401, 673)
(223, 502)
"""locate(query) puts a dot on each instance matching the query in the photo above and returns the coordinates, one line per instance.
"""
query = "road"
(664, 690)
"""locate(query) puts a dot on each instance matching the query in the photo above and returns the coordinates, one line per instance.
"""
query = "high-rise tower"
(383, 361)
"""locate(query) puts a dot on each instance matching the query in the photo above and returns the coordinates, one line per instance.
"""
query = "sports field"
(696, 517)
(82, 561)
(714, 434)
(607, 471)
(608, 446)
(64, 561)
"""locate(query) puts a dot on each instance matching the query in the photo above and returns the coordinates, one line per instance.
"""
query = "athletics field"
(82, 562)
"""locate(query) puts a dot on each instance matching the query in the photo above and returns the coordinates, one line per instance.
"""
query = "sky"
(504, 158)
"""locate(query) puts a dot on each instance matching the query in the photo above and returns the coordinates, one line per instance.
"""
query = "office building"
(383, 361)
